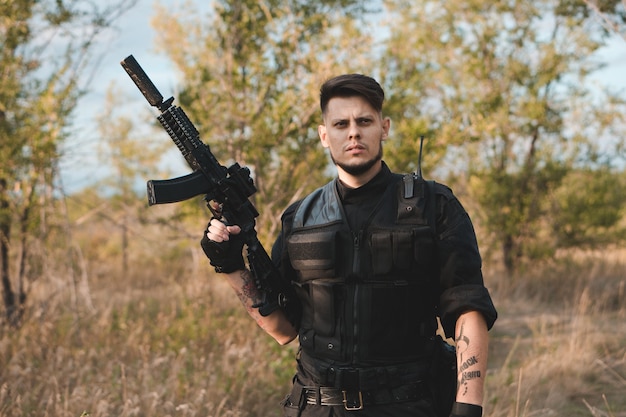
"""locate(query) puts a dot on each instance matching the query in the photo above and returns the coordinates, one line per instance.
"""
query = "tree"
(605, 10)
(503, 87)
(590, 203)
(44, 51)
(131, 160)
(251, 74)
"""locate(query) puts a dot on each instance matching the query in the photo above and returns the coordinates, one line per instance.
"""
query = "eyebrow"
(359, 117)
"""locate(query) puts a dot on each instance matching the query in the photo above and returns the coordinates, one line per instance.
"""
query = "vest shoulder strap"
(414, 188)
(322, 202)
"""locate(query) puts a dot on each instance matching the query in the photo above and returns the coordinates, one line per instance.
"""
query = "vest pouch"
(323, 304)
(328, 347)
(423, 246)
(313, 253)
(402, 250)
(391, 250)
(382, 252)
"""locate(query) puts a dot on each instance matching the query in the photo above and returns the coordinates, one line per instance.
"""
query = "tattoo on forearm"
(462, 341)
(464, 374)
(469, 362)
(249, 295)
(470, 375)
(249, 290)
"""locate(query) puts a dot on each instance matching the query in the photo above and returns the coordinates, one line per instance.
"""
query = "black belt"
(355, 400)
(364, 379)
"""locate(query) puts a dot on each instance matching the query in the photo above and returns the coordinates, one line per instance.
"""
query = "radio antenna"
(418, 171)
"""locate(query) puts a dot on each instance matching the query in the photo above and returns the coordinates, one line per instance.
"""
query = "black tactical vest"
(368, 296)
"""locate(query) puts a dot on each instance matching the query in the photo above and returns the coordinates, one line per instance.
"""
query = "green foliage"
(251, 77)
(503, 96)
(132, 157)
(588, 209)
(43, 50)
(497, 89)
(582, 10)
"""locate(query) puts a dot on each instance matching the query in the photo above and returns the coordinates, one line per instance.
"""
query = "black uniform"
(373, 268)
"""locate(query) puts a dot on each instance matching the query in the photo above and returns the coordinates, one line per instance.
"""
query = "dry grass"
(559, 347)
(170, 350)
(169, 339)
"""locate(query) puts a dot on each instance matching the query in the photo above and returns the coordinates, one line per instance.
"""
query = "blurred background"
(109, 306)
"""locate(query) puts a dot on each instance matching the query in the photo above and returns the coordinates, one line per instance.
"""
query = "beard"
(361, 168)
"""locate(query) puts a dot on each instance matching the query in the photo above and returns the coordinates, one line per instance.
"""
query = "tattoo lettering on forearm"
(467, 376)
(470, 375)
(469, 362)
(464, 374)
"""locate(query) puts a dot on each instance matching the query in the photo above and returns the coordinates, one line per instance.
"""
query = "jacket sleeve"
(461, 278)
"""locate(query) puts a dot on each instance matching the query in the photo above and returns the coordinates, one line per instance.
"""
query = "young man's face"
(353, 133)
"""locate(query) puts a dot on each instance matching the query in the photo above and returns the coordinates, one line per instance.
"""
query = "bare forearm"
(472, 342)
(276, 324)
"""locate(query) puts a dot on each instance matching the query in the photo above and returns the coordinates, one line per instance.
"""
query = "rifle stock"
(229, 187)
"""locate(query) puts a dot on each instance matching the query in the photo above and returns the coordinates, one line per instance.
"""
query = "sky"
(134, 35)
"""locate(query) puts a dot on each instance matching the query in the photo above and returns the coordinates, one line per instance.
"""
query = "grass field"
(145, 344)
(559, 346)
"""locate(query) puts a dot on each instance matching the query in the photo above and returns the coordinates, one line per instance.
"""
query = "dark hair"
(350, 85)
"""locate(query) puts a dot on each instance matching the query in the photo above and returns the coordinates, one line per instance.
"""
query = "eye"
(341, 123)
(364, 121)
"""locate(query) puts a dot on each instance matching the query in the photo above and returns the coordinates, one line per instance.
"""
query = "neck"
(356, 181)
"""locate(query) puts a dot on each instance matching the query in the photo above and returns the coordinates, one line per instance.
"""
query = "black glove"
(466, 410)
(226, 256)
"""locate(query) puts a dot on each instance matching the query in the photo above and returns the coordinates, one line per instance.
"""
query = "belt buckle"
(353, 406)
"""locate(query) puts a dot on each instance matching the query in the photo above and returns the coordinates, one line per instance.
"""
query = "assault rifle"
(230, 188)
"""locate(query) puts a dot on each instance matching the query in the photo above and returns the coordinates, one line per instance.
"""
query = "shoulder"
(445, 197)
(289, 214)
(443, 191)
(290, 211)
(448, 211)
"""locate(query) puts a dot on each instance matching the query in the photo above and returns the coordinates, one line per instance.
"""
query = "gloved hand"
(466, 410)
(226, 255)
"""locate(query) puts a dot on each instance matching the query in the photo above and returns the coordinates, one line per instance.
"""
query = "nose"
(354, 132)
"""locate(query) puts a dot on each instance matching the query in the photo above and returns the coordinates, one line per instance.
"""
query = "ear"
(386, 127)
(321, 131)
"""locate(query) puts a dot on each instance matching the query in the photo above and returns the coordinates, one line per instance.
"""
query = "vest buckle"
(352, 404)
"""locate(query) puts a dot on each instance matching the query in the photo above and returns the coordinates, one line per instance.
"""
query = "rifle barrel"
(143, 82)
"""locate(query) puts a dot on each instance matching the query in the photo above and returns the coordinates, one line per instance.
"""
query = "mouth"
(355, 149)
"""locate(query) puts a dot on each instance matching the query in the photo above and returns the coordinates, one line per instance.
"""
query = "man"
(374, 258)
